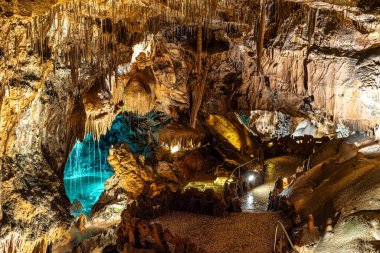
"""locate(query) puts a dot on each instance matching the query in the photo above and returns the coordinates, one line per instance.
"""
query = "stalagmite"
(81, 223)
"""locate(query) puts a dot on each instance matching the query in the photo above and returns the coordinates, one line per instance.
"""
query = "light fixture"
(251, 178)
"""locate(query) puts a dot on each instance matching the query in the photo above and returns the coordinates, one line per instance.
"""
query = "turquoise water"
(86, 171)
(87, 168)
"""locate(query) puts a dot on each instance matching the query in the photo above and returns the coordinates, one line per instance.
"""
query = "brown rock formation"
(337, 188)
(300, 64)
(81, 223)
(135, 235)
(134, 177)
(130, 174)
(68, 67)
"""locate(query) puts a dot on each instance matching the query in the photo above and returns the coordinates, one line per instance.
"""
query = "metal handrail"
(238, 167)
(286, 234)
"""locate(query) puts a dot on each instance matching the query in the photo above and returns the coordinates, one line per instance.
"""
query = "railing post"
(286, 234)
(238, 167)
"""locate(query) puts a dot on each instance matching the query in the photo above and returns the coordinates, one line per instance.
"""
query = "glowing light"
(143, 47)
(174, 149)
(251, 178)
(270, 144)
(221, 180)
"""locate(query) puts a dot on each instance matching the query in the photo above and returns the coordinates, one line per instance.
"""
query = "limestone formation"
(310, 234)
(334, 188)
(163, 169)
(68, 68)
(81, 223)
(76, 206)
(131, 175)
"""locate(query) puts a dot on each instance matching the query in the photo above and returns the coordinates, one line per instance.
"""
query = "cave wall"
(56, 85)
(42, 114)
(319, 60)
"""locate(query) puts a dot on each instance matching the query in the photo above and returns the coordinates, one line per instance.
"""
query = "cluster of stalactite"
(275, 86)
(89, 34)
(82, 35)
(175, 137)
(99, 126)
(12, 243)
(182, 145)
(87, 31)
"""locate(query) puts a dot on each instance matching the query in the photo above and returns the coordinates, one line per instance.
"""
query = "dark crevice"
(305, 73)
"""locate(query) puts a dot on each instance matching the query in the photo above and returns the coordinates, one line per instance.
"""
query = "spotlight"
(251, 178)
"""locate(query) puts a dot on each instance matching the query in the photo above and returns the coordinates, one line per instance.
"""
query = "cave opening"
(87, 168)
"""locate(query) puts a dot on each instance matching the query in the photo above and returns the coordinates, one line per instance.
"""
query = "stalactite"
(197, 92)
(12, 243)
(98, 125)
(182, 144)
(261, 35)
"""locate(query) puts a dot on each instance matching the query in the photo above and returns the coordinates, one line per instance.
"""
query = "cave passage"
(87, 167)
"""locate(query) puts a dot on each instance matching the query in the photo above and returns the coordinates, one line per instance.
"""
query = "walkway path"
(238, 232)
(257, 199)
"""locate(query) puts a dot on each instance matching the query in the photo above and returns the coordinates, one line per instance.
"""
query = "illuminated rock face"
(69, 69)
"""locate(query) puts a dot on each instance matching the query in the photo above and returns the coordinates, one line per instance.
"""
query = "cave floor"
(251, 231)
(237, 232)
